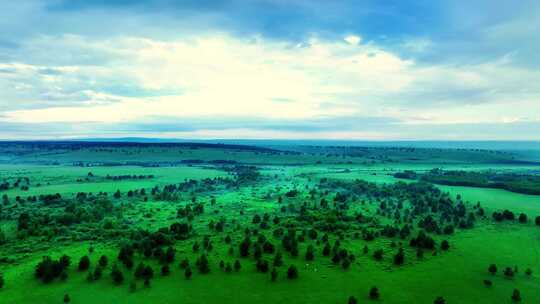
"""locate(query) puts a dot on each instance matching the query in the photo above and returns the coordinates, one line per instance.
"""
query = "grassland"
(235, 185)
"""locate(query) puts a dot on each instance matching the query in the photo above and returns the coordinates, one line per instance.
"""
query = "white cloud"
(222, 76)
(353, 39)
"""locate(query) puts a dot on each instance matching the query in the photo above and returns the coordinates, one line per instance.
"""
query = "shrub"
(445, 245)
(84, 263)
(439, 300)
(188, 273)
(492, 269)
(292, 272)
(103, 261)
(516, 295)
(374, 293)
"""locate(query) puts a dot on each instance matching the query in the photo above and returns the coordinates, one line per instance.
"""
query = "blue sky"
(381, 70)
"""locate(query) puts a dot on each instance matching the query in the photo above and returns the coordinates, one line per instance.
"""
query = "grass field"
(344, 194)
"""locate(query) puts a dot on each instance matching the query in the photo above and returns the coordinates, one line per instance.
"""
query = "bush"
(516, 295)
(117, 275)
(274, 274)
(103, 261)
(378, 254)
(237, 265)
(445, 245)
(165, 271)
(399, 258)
(439, 300)
(292, 272)
(188, 273)
(47, 270)
(492, 269)
(374, 293)
(508, 272)
(84, 263)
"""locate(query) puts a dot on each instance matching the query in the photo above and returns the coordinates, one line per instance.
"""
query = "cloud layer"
(213, 70)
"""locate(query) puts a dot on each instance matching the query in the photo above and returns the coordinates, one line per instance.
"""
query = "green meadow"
(246, 224)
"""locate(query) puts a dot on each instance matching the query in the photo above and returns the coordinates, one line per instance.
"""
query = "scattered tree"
(188, 273)
(492, 269)
(374, 293)
(516, 295)
(292, 272)
(84, 263)
(439, 300)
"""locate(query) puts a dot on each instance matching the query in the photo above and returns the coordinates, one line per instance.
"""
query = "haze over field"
(389, 70)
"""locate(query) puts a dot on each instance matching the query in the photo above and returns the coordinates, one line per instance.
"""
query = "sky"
(270, 69)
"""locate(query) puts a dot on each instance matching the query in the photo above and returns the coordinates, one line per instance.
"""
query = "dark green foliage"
(262, 266)
(47, 270)
(184, 263)
(492, 269)
(84, 263)
(352, 300)
(228, 267)
(346, 263)
(133, 286)
(202, 264)
(516, 296)
(67, 299)
(423, 241)
(103, 261)
(237, 265)
(526, 184)
(168, 257)
(292, 272)
(64, 261)
(244, 247)
(148, 272)
(365, 250)
(399, 258)
(278, 259)
(188, 273)
(274, 274)
(326, 249)
(374, 293)
(310, 253)
(378, 254)
(508, 272)
(505, 215)
(445, 245)
(2, 281)
(196, 246)
(439, 300)
(98, 272)
(407, 174)
(165, 270)
(117, 275)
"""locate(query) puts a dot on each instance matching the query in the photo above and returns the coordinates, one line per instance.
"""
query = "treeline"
(519, 183)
